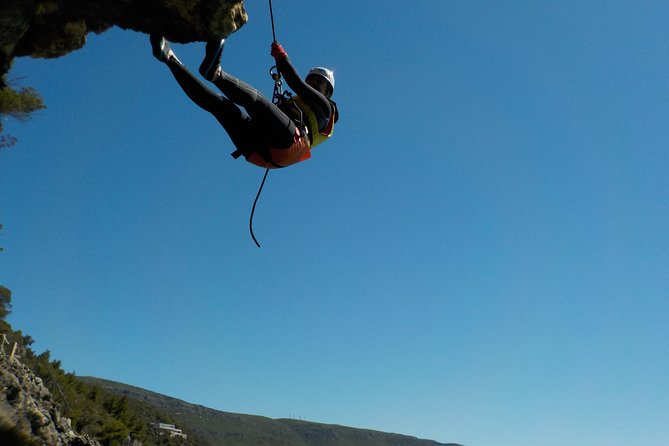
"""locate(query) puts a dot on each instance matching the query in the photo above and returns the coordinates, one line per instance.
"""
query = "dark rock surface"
(53, 28)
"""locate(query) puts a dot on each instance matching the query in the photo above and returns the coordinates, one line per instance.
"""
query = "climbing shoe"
(161, 50)
(212, 59)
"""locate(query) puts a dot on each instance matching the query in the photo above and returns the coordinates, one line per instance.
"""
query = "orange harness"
(298, 151)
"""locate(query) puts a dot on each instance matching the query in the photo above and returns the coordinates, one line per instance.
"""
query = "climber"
(268, 135)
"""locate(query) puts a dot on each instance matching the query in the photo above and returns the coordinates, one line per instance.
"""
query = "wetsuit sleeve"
(318, 103)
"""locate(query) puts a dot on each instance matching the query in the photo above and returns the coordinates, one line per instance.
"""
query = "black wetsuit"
(263, 125)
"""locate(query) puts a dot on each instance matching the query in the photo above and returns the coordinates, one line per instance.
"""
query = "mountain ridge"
(219, 428)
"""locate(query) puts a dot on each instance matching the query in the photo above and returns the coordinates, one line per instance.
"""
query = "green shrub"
(19, 104)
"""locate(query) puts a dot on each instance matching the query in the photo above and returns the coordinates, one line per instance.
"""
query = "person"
(268, 135)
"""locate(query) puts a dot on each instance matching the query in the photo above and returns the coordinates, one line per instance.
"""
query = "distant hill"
(230, 429)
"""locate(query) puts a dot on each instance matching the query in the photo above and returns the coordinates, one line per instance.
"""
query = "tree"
(5, 298)
(114, 432)
(5, 302)
(19, 105)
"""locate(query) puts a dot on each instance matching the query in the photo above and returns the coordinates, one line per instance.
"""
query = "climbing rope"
(253, 209)
(278, 93)
(271, 15)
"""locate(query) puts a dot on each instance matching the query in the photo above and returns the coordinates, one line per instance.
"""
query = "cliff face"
(52, 28)
(28, 416)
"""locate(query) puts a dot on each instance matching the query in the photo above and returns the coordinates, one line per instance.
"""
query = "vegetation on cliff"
(101, 415)
(18, 104)
(53, 28)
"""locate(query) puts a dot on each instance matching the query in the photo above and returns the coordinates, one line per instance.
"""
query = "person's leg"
(233, 120)
(276, 128)
(272, 122)
(244, 135)
(196, 90)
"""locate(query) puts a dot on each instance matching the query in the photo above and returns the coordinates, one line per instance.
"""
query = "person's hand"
(277, 51)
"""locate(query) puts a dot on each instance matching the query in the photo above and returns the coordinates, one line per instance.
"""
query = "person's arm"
(320, 105)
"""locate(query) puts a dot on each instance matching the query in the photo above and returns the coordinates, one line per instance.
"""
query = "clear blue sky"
(480, 255)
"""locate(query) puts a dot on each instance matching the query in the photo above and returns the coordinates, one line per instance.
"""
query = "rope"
(271, 14)
(253, 209)
(277, 92)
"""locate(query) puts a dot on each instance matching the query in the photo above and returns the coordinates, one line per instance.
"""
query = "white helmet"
(323, 72)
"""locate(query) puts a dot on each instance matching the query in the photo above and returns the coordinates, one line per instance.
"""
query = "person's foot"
(212, 59)
(161, 50)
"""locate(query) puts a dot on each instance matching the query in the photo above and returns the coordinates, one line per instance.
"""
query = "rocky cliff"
(28, 415)
(52, 28)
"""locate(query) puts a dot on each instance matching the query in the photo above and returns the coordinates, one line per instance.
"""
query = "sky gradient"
(480, 254)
